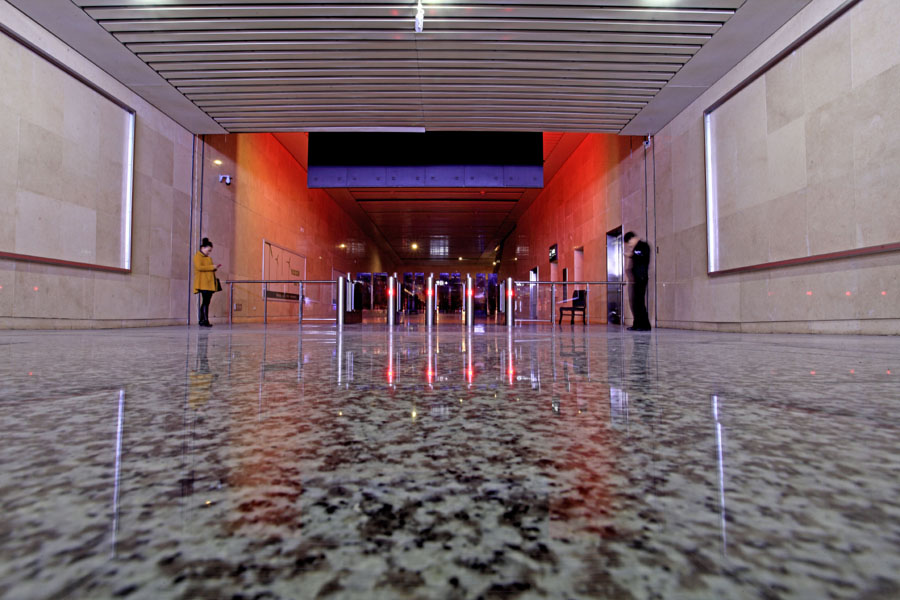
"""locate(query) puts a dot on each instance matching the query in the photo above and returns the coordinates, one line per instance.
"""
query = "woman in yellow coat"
(204, 279)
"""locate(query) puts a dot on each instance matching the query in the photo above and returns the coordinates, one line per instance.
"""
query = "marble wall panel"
(7, 286)
(785, 161)
(47, 226)
(787, 221)
(829, 142)
(828, 226)
(875, 44)
(826, 65)
(9, 160)
(784, 92)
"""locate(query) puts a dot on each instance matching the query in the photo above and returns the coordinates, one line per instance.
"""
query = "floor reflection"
(566, 462)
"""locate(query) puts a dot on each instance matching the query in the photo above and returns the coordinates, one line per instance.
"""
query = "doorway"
(533, 293)
(615, 271)
(578, 264)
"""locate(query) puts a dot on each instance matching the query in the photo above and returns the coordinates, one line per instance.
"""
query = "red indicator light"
(888, 371)
(35, 288)
(849, 294)
(390, 291)
(30, 373)
(471, 292)
(809, 293)
(812, 372)
(852, 371)
(510, 293)
(429, 292)
(884, 293)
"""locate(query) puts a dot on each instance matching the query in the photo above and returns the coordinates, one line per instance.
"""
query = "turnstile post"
(341, 303)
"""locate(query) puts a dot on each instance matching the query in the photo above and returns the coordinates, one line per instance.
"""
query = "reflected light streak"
(115, 523)
(720, 454)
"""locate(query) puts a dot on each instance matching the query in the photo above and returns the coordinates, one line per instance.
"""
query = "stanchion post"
(429, 301)
(470, 302)
(341, 303)
(230, 303)
(300, 310)
(587, 304)
(391, 302)
(552, 303)
(509, 302)
(265, 303)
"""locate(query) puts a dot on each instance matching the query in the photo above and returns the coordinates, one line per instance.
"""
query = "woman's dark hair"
(205, 243)
(628, 237)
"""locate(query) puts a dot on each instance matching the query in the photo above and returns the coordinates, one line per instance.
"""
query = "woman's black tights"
(205, 297)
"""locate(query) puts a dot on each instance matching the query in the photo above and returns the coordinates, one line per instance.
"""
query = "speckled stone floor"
(575, 463)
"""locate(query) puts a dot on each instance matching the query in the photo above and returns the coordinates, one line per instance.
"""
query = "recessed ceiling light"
(217, 162)
(414, 246)
(343, 245)
(460, 258)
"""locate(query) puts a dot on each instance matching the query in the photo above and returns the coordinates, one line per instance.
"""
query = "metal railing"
(553, 304)
(341, 297)
(509, 289)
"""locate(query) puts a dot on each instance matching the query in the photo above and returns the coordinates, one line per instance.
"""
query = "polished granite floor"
(295, 463)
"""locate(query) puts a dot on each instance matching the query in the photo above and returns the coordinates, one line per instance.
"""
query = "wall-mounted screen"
(801, 158)
(66, 167)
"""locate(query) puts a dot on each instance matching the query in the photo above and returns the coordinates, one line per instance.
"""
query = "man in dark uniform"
(639, 253)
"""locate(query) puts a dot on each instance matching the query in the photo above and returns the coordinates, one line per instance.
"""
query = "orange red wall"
(268, 199)
(586, 198)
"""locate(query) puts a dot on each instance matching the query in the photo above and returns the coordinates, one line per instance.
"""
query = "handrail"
(620, 284)
(279, 281)
(570, 282)
(265, 282)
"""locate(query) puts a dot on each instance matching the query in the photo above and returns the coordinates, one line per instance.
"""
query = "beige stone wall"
(34, 295)
(807, 164)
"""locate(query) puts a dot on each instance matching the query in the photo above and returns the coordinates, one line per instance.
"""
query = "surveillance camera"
(225, 178)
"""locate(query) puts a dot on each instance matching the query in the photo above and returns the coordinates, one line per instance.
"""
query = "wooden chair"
(579, 302)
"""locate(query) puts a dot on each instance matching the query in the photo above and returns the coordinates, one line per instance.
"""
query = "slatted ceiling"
(464, 221)
(388, 57)
(282, 65)
(389, 12)
(403, 42)
(706, 4)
